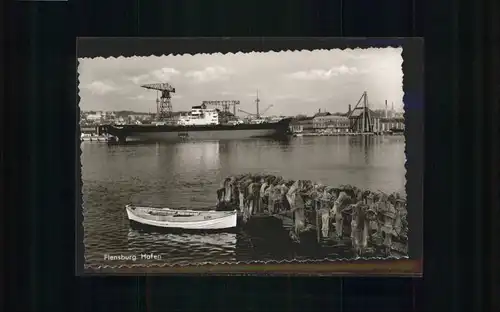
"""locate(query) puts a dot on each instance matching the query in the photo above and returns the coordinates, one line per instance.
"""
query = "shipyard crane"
(163, 101)
(225, 105)
(242, 111)
(257, 115)
(362, 122)
(267, 108)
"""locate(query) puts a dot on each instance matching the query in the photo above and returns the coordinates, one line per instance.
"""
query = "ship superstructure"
(199, 116)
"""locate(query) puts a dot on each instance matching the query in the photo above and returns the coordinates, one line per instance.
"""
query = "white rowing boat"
(182, 219)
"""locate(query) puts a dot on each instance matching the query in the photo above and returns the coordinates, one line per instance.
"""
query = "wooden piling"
(318, 227)
(299, 210)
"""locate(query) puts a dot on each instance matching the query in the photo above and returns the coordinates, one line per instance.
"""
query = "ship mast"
(257, 114)
(257, 105)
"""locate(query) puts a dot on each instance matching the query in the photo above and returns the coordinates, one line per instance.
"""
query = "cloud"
(151, 97)
(100, 87)
(284, 97)
(139, 79)
(164, 74)
(311, 99)
(209, 74)
(288, 97)
(354, 55)
(114, 84)
(138, 97)
(321, 74)
(156, 76)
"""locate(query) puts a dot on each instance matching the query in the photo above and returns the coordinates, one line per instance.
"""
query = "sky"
(293, 82)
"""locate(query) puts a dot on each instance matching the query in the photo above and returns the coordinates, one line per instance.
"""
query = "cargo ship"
(201, 123)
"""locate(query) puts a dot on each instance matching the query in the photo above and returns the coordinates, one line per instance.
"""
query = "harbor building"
(357, 120)
(377, 126)
(302, 125)
(96, 116)
(331, 123)
(375, 122)
(392, 124)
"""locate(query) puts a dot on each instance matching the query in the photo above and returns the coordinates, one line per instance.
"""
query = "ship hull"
(129, 133)
(199, 135)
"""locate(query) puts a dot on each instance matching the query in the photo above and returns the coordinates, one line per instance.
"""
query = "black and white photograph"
(254, 157)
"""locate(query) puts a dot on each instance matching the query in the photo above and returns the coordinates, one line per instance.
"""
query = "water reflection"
(182, 248)
(188, 175)
(201, 155)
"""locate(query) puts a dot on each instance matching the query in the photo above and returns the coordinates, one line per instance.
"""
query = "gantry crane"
(225, 105)
(363, 122)
(163, 101)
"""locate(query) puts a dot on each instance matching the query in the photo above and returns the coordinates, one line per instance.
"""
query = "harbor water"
(187, 175)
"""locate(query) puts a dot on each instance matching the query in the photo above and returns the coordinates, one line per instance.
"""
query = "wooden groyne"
(366, 220)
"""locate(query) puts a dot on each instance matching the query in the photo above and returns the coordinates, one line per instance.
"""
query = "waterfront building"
(96, 116)
(391, 124)
(304, 124)
(331, 123)
(109, 115)
(376, 121)
(377, 126)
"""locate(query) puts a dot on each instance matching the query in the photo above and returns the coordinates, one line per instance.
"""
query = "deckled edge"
(405, 133)
(80, 227)
(80, 258)
(395, 46)
(207, 263)
(405, 66)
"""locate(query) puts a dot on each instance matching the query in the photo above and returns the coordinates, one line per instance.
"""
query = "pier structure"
(366, 221)
(94, 129)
